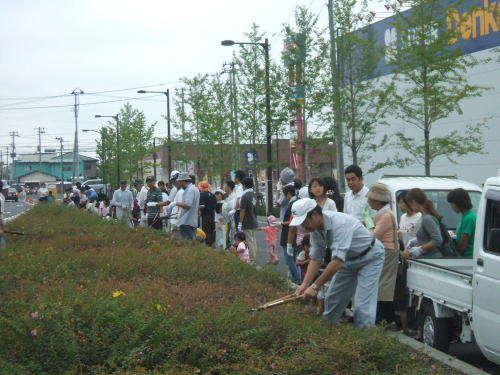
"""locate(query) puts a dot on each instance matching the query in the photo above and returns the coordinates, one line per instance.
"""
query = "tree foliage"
(433, 84)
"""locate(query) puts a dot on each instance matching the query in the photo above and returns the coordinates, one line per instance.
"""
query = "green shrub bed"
(80, 295)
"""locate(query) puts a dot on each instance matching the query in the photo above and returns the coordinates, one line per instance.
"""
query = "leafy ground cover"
(85, 296)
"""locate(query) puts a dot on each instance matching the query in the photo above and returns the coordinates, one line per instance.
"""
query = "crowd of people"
(339, 250)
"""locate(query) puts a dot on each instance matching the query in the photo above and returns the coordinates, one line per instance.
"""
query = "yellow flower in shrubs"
(158, 307)
(118, 293)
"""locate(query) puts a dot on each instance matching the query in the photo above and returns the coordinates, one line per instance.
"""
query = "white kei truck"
(459, 298)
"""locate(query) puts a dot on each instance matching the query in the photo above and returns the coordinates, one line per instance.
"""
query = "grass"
(84, 296)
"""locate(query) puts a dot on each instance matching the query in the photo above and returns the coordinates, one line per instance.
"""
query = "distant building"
(50, 167)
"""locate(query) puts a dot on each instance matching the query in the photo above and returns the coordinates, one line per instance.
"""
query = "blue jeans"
(292, 266)
(187, 232)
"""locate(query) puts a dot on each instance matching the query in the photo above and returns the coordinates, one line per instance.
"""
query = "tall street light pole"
(118, 178)
(269, 174)
(62, 169)
(103, 157)
(167, 94)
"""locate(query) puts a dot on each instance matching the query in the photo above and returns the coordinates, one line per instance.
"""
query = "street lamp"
(103, 157)
(167, 94)
(269, 174)
(117, 145)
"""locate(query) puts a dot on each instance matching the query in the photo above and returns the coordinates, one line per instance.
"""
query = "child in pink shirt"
(241, 247)
(271, 236)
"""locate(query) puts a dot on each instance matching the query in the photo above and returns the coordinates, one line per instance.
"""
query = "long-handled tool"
(276, 302)
(15, 232)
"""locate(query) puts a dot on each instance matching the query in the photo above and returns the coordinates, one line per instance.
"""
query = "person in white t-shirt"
(408, 221)
(355, 200)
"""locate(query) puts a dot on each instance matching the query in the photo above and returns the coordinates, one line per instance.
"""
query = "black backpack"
(448, 248)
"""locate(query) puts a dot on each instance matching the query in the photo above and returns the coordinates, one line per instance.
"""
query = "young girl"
(271, 236)
(220, 227)
(303, 257)
(104, 208)
(241, 247)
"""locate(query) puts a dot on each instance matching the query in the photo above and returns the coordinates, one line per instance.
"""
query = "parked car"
(97, 185)
(12, 195)
(458, 298)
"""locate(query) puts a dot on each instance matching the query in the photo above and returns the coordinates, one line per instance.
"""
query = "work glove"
(411, 243)
(416, 251)
(124, 206)
(289, 249)
(172, 204)
(231, 213)
(240, 227)
(276, 224)
(151, 204)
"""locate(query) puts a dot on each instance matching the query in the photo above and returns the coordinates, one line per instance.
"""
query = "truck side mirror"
(494, 240)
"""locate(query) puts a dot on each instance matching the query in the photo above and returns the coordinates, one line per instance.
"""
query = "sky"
(110, 49)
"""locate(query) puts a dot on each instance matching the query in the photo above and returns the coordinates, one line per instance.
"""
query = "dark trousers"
(155, 224)
(208, 226)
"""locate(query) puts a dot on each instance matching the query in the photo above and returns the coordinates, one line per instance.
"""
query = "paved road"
(15, 208)
(471, 354)
(262, 257)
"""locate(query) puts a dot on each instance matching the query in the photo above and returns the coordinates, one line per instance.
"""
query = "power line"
(89, 93)
(81, 104)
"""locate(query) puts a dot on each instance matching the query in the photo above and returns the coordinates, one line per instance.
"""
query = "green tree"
(135, 143)
(433, 83)
(362, 103)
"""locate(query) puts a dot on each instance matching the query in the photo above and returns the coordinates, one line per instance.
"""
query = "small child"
(271, 236)
(303, 257)
(220, 228)
(104, 208)
(241, 247)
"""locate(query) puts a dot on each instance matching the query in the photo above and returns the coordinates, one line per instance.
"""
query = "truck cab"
(459, 298)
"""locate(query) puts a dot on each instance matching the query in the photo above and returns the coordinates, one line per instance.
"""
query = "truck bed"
(448, 281)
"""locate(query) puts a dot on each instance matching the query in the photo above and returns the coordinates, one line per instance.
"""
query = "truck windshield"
(450, 218)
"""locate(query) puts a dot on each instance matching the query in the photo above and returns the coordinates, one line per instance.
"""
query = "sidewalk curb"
(437, 355)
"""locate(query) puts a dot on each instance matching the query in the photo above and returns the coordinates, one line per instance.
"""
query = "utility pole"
(62, 170)
(234, 110)
(76, 155)
(7, 172)
(183, 120)
(336, 81)
(13, 135)
(40, 132)
(154, 157)
(1, 164)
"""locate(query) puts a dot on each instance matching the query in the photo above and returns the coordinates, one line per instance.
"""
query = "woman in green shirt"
(460, 203)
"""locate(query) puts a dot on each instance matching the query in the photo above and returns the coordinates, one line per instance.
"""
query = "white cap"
(5, 185)
(300, 209)
(173, 173)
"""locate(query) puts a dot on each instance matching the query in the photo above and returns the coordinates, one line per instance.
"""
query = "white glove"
(239, 227)
(231, 213)
(289, 249)
(276, 224)
(416, 251)
(151, 204)
(411, 243)
(172, 204)
(124, 206)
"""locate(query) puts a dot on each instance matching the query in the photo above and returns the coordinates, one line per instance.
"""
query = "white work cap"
(300, 209)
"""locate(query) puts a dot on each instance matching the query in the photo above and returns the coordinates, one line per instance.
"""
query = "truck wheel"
(435, 332)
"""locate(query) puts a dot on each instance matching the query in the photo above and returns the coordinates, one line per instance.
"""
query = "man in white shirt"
(355, 200)
(123, 203)
(141, 201)
(239, 175)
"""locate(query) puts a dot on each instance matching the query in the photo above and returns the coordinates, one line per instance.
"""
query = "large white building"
(482, 40)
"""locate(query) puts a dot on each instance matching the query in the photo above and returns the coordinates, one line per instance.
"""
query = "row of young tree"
(428, 84)
(344, 95)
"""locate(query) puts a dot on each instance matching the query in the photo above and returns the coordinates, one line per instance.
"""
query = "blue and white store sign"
(477, 23)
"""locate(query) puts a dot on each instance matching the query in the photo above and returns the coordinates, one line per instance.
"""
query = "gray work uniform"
(348, 238)
(124, 203)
